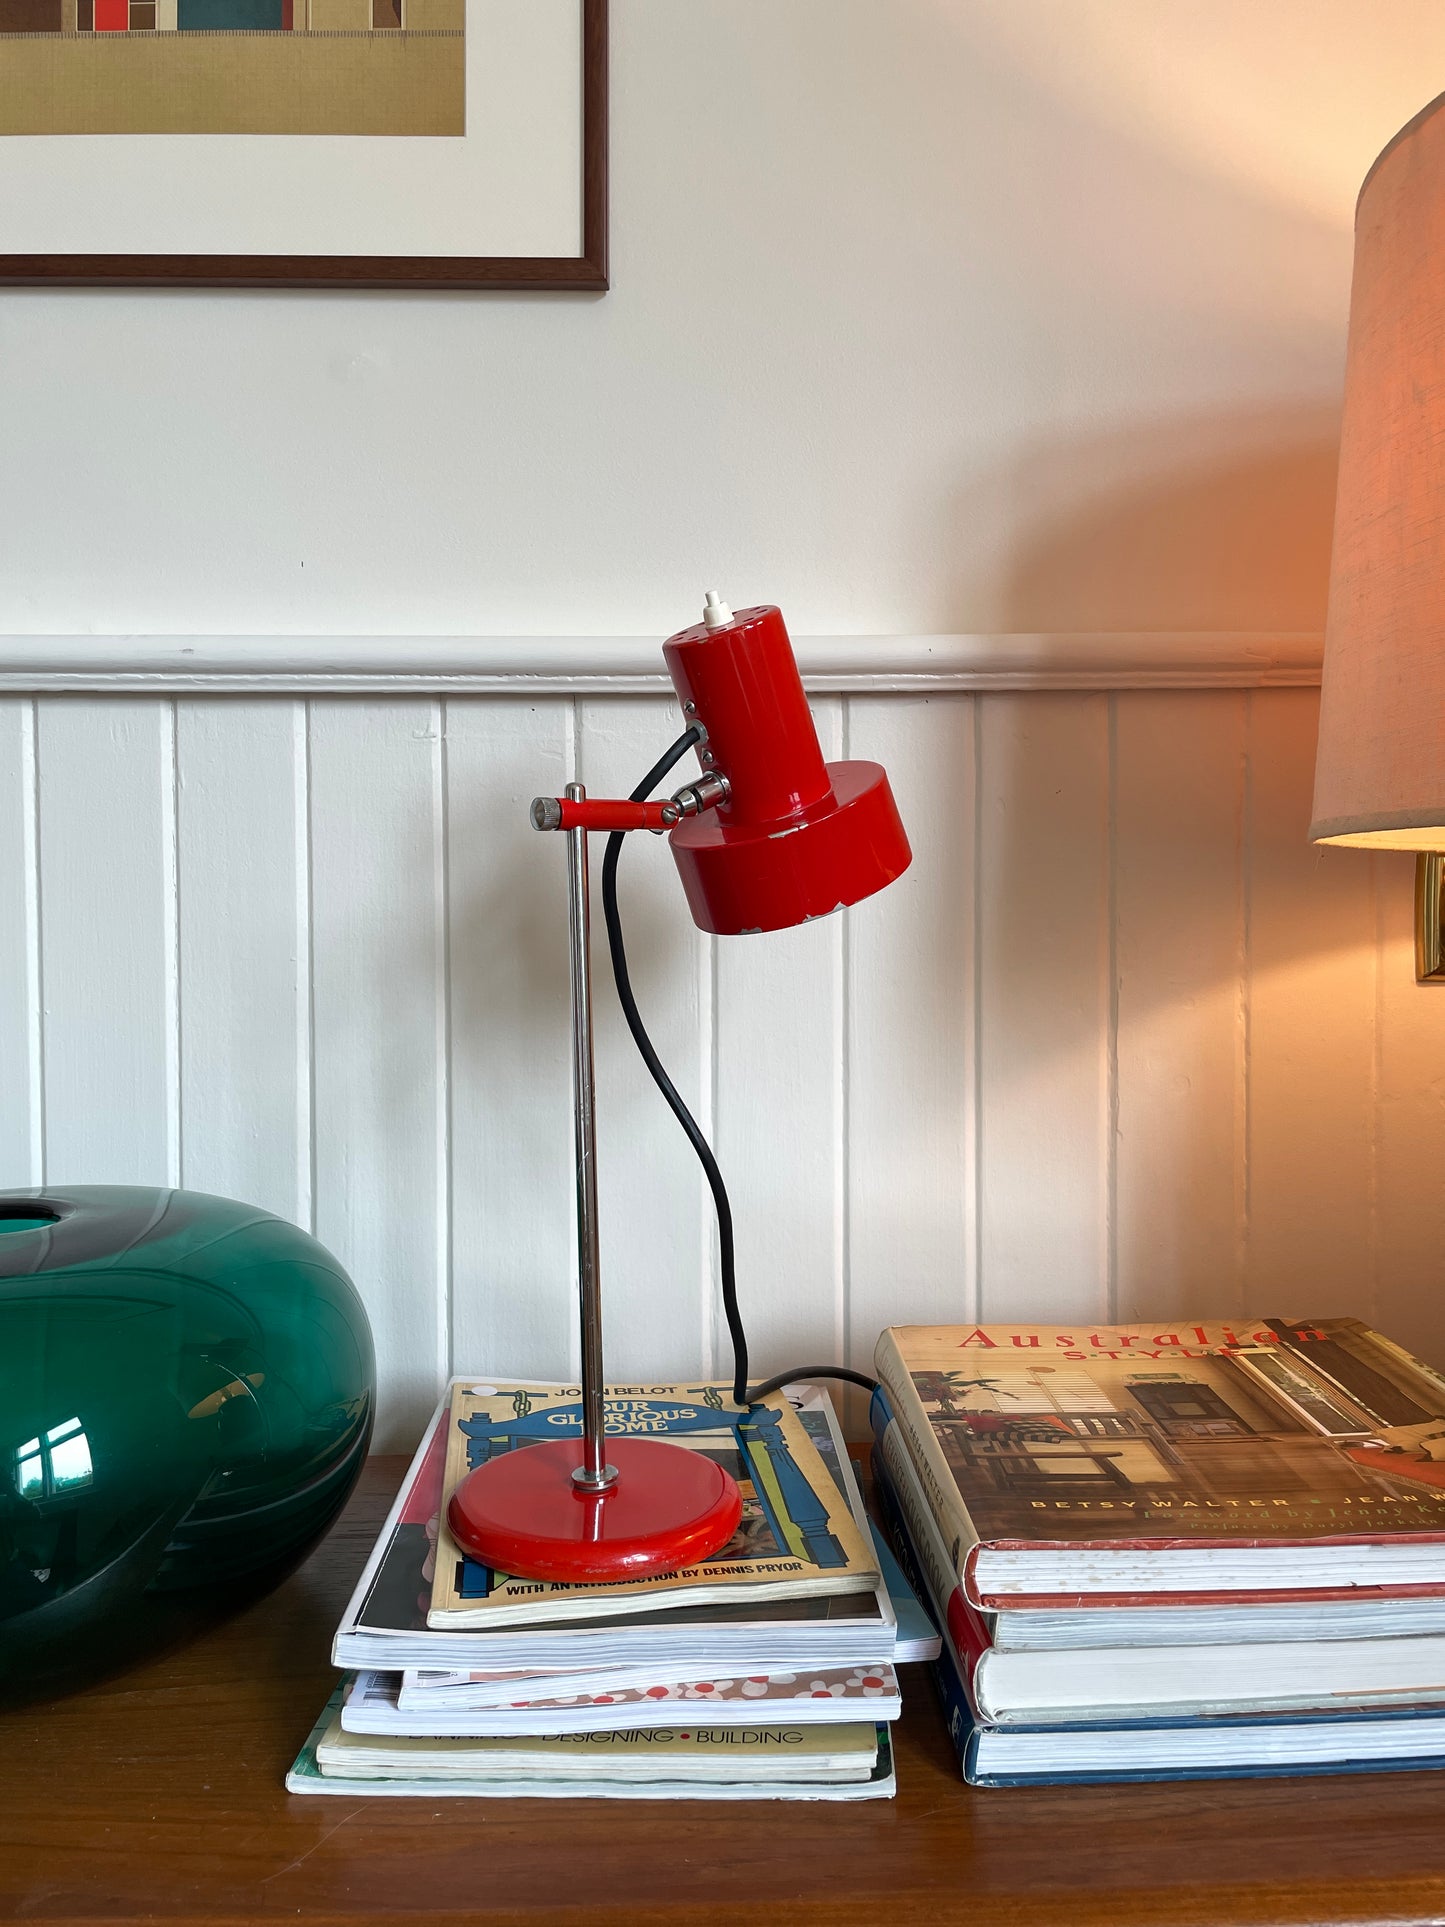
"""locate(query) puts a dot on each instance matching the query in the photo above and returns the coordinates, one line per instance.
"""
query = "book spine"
(957, 1714)
(939, 1486)
(961, 1628)
(963, 1624)
(952, 1692)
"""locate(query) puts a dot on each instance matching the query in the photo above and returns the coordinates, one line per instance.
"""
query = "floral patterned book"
(807, 1698)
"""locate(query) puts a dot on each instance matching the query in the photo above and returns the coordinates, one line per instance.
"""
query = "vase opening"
(26, 1216)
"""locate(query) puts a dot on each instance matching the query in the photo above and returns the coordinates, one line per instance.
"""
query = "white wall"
(927, 315)
(926, 318)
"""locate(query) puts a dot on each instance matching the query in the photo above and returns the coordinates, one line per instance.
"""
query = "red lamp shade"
(797, 838)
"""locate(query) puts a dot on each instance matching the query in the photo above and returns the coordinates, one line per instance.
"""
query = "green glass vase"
(186, 1395)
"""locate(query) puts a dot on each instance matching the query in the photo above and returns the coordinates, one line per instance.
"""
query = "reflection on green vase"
(186, 1393)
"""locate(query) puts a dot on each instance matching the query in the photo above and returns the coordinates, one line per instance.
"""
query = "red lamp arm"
(602, 813)
(607, 813)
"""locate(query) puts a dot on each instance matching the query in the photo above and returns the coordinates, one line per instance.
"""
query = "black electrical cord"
(776, 1383)
(726, 1259)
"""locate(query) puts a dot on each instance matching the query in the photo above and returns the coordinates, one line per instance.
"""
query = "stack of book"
(766, 1673)
(1159, 1553)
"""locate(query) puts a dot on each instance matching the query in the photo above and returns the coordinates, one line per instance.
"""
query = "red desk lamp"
(768, 836)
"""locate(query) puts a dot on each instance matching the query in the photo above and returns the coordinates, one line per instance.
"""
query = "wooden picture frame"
(585, 272)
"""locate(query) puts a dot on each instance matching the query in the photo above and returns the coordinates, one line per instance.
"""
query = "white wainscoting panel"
(1182, 1010)
(107, 890)
(911, 1064)
(22, 1121)
(379, 1025)
(1178, 1198)
(244, 921)
(1045, 1035)
(509, 1085)
(1120, 1044)
(656, 1235)
(1312, 1109)
(780, 1118)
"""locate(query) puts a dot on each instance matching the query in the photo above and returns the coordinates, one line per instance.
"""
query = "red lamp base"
(521, 1513)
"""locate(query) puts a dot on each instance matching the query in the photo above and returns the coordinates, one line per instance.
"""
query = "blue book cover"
(917, 1635)
(880, 1414)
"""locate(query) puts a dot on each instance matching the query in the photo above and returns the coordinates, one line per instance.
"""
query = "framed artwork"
(304, 143)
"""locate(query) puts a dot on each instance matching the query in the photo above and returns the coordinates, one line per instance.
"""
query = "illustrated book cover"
(1111, 1465)
(385, 1622)
(797, 1535)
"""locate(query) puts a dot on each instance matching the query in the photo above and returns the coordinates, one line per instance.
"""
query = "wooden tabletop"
(159, 1797)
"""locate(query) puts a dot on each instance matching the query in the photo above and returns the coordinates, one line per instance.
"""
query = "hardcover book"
(1073, 1466)
(1248, 1745)
(1129, 1680)
(797, 1536)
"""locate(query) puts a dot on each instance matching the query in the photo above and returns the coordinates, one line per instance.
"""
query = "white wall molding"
(627, 665)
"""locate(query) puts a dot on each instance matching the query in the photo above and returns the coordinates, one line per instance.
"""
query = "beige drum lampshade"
(1380, 768)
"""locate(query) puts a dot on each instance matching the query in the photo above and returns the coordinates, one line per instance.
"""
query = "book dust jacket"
(1269, 1431)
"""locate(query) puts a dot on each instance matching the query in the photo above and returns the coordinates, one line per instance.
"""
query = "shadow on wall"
(1218, 523)
(1179, 1002)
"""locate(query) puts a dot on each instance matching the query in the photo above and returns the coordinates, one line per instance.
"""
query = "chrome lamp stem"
(594, 1474)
